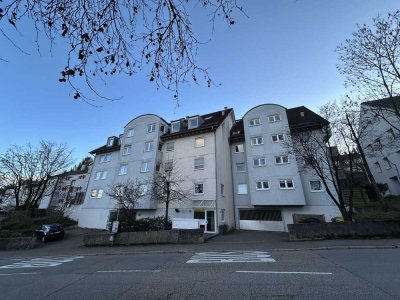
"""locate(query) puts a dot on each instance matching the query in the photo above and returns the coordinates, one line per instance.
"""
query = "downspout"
(216, 183)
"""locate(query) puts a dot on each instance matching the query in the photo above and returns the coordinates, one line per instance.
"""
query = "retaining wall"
(18, 243)
(174, 236)
(343, 230)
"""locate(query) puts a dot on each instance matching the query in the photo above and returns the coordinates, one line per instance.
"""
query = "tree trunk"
(167, 207)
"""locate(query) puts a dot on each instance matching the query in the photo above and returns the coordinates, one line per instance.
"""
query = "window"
(387, 163)
(145, 167)
(127, 150)
(193, 122)
(162, 128)
(148, 146)
(151, 128)
(239, 148)
(222, 189)
(276, 138)
(254, 122)
(242, 189)
(110, 142)
(93, 193)
(199, 163)
(144, 189)
(262, 185)
(99, 194)
(280, 160)
(101, 175)
(258, 140)
(316, 186)
(199, 188)
(286, 184)
(274, 118)
(199, 142)
(123, 170)
(120, 139)
(168, 165)
(130, 132)
(175, 126)
(240, 167)
(105, 158)
(378, 167)
(259, 162)
(170, 146)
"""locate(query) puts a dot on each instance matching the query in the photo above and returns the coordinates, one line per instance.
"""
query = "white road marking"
(40, 262)
(11, 274)
(130, 271)
(230, 257)
(277, 272)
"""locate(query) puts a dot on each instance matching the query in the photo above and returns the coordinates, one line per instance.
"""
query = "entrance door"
(208, 217)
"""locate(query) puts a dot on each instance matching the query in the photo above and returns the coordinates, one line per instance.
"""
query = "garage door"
(261, 219)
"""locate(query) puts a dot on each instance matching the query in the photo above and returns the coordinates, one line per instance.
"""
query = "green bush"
(145, 224)
(377, 216)
(4, 234)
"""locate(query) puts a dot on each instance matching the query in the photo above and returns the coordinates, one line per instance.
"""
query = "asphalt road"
(327, 274)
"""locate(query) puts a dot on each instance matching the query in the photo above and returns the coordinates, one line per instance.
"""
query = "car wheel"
(44, 239)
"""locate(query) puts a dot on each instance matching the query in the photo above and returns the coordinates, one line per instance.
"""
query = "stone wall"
(18, 243)
(343, 230)
(174, 236)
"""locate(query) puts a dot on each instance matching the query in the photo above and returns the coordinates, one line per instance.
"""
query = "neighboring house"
(237, 171)
(269, 186)
(381, 142)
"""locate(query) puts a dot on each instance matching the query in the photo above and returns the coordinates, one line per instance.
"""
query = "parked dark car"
(50, 232)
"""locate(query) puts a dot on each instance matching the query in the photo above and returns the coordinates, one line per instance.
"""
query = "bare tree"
(28, 171)
(107, 37)
(370, 62)
(127, 196)
(168, 187)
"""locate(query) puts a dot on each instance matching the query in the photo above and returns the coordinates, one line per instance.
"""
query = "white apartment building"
(381, 142)
(237, 171)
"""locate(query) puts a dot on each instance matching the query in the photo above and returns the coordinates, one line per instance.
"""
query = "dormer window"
(193, 122)
(175, 126)
(110, 141)
(121, 139)
(130, 132)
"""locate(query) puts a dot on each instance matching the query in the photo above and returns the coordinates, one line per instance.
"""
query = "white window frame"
(200, 166)
(147, 165)
(274, 118)
(237, 148)
(278, 140)
(198, 184)
(257, 141)
(168, 165)
(148, 146)
(242, 192)
(151, 127)
(175, 123)
(98, 175)
(236, 167)
(199, 139)
(281, 157)
(93, 193)
(126, 150)
(99, 194)
(190, 126)
(259, 159)
(170, 149)
(254, 122)
(286, 184)
(144, 189)
(387, 162)
(123, 169)
(378, 167)
(110, 141)
(130, 132)
(262, 188)
(316, 191)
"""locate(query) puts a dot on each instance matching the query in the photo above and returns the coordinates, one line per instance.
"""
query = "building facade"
(381, 142)
(238, 173)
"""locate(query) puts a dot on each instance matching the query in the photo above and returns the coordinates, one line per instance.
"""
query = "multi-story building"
(381, 141)
(269, 186)
(238, 172)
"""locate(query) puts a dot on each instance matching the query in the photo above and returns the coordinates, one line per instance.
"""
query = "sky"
(282, 52)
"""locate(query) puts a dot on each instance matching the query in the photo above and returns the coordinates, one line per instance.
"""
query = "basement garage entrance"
(261, 219)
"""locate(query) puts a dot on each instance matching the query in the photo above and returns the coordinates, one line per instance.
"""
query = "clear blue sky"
(283, 53)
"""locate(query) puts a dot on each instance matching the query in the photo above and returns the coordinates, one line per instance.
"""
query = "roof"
(303, 118)
(210, 122)
(385, 102)
(237, 132)
(105, 149)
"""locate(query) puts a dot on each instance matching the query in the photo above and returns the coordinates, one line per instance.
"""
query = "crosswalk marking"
(40, 262)
(230, 257)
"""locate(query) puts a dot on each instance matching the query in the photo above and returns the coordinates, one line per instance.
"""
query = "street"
(229, 274)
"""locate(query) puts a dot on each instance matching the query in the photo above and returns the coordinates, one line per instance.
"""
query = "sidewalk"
(236, 240)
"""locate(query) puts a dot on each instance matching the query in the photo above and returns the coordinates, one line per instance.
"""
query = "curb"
(194, 251)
